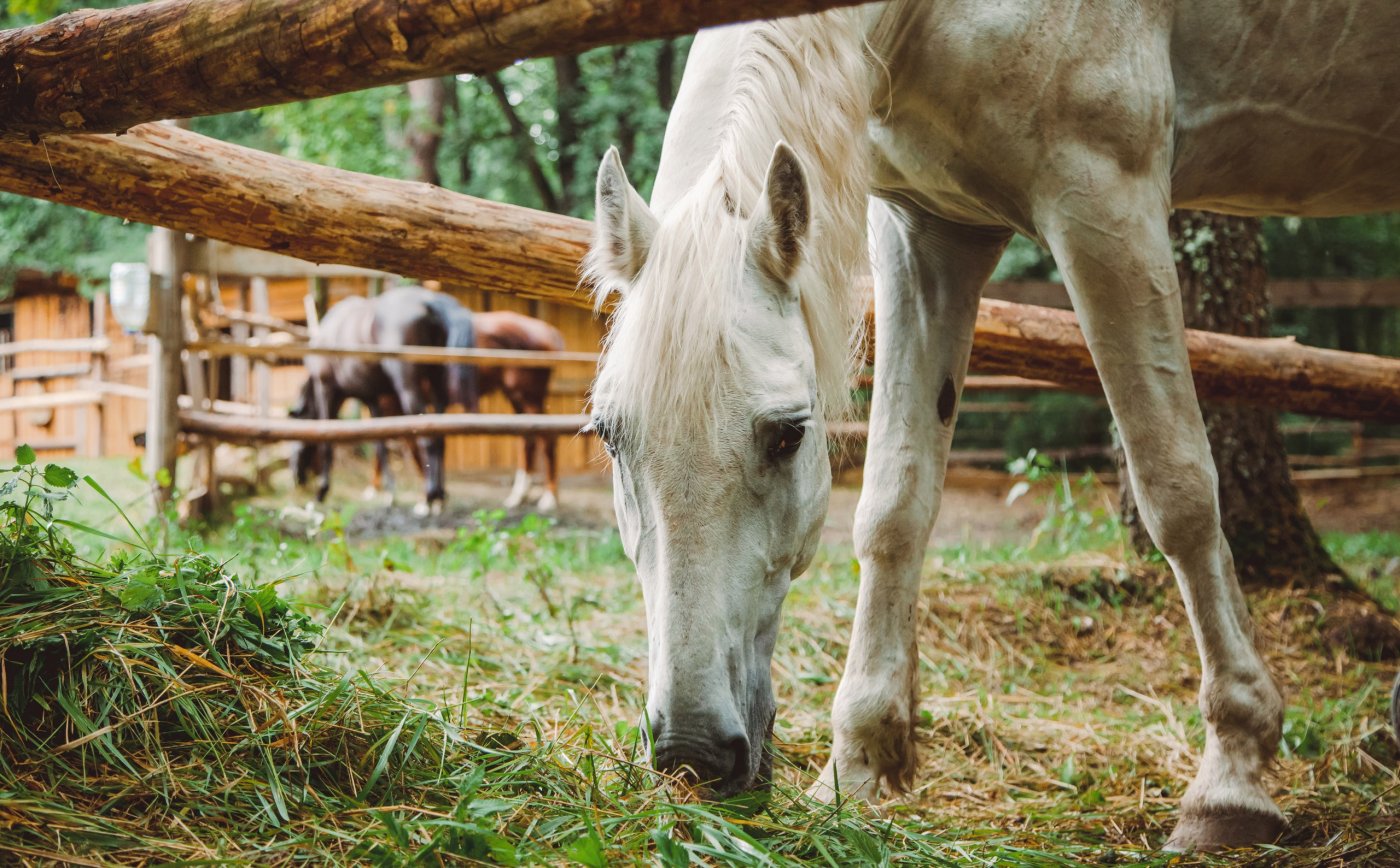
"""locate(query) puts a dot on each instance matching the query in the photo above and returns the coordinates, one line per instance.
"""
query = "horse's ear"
(781, 224)
(624, 227)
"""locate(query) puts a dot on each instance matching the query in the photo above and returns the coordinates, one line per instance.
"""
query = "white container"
(130, 295)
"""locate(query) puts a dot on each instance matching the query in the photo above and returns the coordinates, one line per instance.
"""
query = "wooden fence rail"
(226, 427)
(56, 345)
(432, 355)
(50, 400)
(175, 55)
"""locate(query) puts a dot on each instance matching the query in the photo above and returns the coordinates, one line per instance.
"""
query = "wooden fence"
(92, 378)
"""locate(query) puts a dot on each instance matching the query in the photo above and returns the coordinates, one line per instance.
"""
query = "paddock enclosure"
(47, 309)
(280, 682)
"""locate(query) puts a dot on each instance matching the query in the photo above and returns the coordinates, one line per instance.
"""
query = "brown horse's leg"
(376, 476)
(519, 402)
(381, 475)
(549, 452)
(419, 460)
(521, 488)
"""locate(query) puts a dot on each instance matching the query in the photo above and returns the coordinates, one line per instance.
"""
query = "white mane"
(670, 354)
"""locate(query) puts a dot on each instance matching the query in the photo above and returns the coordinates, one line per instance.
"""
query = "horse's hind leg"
(1114, 250)
(520, 489)
(549, 453)
(929, 278)
(529, 447)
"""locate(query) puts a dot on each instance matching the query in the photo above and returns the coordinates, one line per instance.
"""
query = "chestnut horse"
(525, 388)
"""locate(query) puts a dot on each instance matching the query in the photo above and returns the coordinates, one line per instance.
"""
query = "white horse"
(1078, 124)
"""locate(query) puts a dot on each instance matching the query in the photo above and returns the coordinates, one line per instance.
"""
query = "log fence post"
(170, 253)
(240, 367)
(97, 371)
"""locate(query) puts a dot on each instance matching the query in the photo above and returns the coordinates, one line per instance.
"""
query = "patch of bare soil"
(974, 508)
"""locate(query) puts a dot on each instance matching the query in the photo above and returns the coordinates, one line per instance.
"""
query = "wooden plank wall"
(59, 432)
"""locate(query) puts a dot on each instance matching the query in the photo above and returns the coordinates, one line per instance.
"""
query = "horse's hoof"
(859, 785)
(370, 493)
(422, 510)
(548, 502)
(1209, 831)
(436, 508)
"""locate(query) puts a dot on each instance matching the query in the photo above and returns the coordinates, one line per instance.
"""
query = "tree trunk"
(160, 175)
(452, 98)
(1224, 288)
(427, 99)
(549, 200)
(626, 130)
(568, 99)
(107, 70)
(666, 74)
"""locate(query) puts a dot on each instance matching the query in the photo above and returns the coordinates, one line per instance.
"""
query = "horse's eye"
(785, 439)
(600, 428)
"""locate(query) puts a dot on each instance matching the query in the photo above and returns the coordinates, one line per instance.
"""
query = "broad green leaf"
(59, 476)
(24, 455)
(140, 596)
(669, 851)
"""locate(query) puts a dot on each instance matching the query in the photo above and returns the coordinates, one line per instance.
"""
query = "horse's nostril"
(738, 751)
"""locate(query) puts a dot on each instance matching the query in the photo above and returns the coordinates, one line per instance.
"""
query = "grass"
(473, 698)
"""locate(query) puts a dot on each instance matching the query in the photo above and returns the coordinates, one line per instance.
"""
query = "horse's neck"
(801, 80)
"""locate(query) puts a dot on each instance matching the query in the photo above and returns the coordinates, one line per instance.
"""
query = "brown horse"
(526, 389)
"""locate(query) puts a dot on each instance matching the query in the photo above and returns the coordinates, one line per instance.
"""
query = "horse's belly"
(1287, 108)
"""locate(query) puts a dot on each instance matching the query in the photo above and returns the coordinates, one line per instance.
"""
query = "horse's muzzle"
(719, 766)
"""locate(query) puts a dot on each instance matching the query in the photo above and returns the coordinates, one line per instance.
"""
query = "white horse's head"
(711, 399)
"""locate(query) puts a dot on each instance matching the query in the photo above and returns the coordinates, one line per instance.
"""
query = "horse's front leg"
(520, 489)
(420, 394)
(929, 277)
(1108, 232)
(381, 474)
(328, 401)
(549, 455)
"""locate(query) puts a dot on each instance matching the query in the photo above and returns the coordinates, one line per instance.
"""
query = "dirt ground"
(974, 505)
